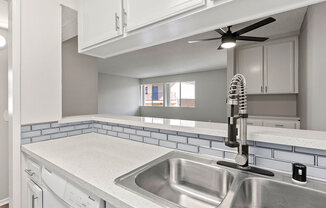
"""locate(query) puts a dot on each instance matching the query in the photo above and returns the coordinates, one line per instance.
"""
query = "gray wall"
(79, 81)
(312, 71)
(118, 95)
(272, 105)
(4, 178)
(210, 97)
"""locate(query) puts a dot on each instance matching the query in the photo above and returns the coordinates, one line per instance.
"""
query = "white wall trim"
(4, 201)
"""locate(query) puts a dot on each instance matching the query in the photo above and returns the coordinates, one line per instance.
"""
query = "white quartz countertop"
(94, 161)
(293, 137)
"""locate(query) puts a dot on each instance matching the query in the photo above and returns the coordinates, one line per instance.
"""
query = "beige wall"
(3, 125)
(118, 95)
(312, 71)
(210, 97)
(79, 81)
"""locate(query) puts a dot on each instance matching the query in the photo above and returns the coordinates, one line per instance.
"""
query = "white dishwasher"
(48, 190)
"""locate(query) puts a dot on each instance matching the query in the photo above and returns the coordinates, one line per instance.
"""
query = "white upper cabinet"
(279, 60)
(249, 63)
(145, 12)
(271, 67)
(98, 21)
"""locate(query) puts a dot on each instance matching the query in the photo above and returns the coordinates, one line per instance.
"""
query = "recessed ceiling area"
(179, 57)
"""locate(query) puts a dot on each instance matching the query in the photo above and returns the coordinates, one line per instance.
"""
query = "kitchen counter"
(94, 161)
(292, 137)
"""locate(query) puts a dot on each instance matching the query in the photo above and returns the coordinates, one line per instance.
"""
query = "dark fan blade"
(255, 26)
(203, 40)
(220, 48)
(220, 31)
(250, 38)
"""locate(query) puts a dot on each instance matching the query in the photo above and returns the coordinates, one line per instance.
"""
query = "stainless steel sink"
(259, 192)
(190, 181)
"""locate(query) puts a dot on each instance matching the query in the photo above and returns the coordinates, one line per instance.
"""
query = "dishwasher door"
(35, 195)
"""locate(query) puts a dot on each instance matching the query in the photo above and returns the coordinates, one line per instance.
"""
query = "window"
(153, 95)
(172, 94)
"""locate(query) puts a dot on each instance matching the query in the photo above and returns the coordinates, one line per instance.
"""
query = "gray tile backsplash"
(266, 155)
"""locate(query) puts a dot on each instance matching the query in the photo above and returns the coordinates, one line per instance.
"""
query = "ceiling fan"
(229, 38)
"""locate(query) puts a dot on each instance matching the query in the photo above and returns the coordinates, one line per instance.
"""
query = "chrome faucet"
(238, 97)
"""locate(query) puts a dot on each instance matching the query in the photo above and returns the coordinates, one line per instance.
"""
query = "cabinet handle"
(261, 89)
(265, 88)
(29, 172)
(279, 125)
(33, 200)
(117, 24)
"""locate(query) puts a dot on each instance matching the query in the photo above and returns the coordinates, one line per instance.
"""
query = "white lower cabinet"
(34, 195)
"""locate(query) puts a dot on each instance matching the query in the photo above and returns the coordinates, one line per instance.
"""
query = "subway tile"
(112, 133)
(102, 131)
(212, 152)
(251, 159)
(136, 138)
(199, 142)
(222, 146)
(56, 125)
(87, 122)
(274, 146)
(230, 155)
(137, 127)
(168, 131)
(123, 135)
(111, 124)
(151, 141)
(50, 131)
(25, 141)
(30, 134)
(41, 138)
(66, 128)
(168, 144)
(188, 134)
(129, 131)
(97, 125)
(316, 172)
(310, 151)
(117, 128)
(143, 133)
(251, 143)
(273, 164)
(41, 126)
(26, 128)
(294, 157)
(81, 126)
(59, 135)
(151, 129)
(159, 136)
(322, 161)
(188, 148)
(213, 138)
(86, 131)
(124, 125)
(106, 127)
(258, 151)
(74, 133)
(175, 138)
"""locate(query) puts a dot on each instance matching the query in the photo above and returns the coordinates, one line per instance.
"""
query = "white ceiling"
(69, 23)
(3, 14)
(180, 57)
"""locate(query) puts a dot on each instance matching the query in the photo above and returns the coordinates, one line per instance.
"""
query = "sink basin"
(180, 180)
(261, 193)
(186, 183)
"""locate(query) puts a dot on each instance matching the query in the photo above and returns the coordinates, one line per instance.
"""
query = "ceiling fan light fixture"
(228, 45)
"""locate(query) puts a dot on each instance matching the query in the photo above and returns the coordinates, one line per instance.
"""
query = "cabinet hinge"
(125, 15)
(117, 22)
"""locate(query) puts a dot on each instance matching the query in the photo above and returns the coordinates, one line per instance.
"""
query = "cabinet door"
(35, 195)
(279, 68)
(98, 21)
(250, 64)
(145, 12)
